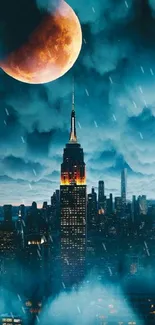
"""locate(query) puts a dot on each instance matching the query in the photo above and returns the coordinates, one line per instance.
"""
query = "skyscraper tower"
(7, 213)
(73, 209)
(92, 212)
(123, 189)
(101, 196)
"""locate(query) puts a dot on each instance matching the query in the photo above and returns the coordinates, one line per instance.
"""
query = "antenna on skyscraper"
(73, 94)
(73, 137)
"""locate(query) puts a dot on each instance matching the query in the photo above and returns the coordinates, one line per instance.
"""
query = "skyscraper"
(123, 189)
(134, 208)
(102, 204)
(142, 205)
(9, 273)
(92, 212)
(54, 216)
(73, 209)
(110, 204)
(21, 211)
(101, 194)
(7, 213)
(118, 206)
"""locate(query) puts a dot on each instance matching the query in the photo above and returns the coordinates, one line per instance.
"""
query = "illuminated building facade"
(73, 209)
(6, 319)
(8, 254)
(34, 265)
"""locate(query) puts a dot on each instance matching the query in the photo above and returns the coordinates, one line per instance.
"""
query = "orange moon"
(51, 50)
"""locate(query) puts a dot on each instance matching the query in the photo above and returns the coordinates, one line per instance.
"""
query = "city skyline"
(91, 185)
(114, 104)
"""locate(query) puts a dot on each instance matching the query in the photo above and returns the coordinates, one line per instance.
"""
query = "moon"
(51, 49)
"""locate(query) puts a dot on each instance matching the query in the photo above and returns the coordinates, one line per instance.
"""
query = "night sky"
(114, 99)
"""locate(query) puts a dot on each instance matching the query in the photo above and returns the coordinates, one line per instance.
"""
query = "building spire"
(73, 137)
(73, 95)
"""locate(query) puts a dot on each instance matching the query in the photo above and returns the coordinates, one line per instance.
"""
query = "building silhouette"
(142, 205)
(118, 205)
(54, 216)
(110, 204)
(92, 211)
(101, 196)
(73, 209)
(9, 272)
(123, 189)
(7, 213)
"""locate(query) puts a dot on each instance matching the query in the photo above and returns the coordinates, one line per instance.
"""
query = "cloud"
(38, 143)
(92, 301)
(17, 167)
(48, 5)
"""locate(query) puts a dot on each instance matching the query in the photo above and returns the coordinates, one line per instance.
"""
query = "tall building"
(9, 272)
(92, 211)
(110, 205)
(7, 213)
(123, 189)
(142, 205)
(20, 229)
(134, 208)
(54, 216)
(21, 211)
(118, 206)
(34, 264)
(73, 209)
(101, 197)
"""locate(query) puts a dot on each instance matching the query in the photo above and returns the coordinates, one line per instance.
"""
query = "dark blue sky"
(114, 96)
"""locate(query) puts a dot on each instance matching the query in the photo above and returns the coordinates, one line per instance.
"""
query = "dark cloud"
(18, 168)
(48, 5)
(38, 143)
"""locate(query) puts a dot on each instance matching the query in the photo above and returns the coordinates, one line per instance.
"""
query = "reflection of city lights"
(111, 306)
(133, 268)
(10, 321)
(101, 211)
(36, 242)
(35, 311)
(102, 317)
(28, 303)
(17, 320)
(7, 320)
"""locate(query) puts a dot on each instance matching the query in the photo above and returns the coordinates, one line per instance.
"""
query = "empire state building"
(73, 209)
